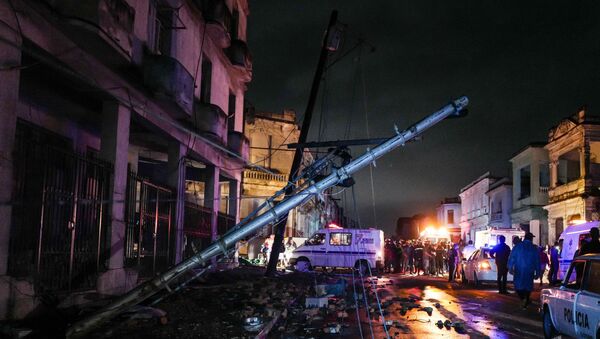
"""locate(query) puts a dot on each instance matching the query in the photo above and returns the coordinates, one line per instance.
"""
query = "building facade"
(500, 196)
(475, 207)
(574, 154)
(121, 143)
(268, 133)
(531, 180)
(448, 216)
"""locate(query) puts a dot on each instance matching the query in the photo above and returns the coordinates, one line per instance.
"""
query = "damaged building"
(121, 143)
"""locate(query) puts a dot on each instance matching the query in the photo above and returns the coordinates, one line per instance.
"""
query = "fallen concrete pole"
(271, 215)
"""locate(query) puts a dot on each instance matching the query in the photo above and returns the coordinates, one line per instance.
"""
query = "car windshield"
(485, 253)
(317, 239)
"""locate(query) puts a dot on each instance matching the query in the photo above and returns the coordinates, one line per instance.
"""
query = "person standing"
(593, 246)
(453, 261)
(524, 265)
(543, 263)
(411, 258)
(553, 273)
(501, 253)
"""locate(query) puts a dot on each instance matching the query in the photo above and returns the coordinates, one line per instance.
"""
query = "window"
(544, 176)
(205, 82)
(160, 28)
(568, 167)
(340, 239)
(525, 187)
(317, 239)
(592, 284)
(573, 278)
(450, 217)
(231, 112)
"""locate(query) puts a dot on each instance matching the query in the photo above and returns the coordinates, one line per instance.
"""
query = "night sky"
(524, 65)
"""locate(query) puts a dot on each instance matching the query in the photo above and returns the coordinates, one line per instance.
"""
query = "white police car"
(574, 308)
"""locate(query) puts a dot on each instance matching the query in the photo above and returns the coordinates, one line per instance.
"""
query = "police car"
(573, 308)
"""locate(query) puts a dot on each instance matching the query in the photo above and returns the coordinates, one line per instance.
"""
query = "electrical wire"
(371, 165)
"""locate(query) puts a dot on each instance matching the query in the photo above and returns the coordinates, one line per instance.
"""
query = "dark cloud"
(524, 65)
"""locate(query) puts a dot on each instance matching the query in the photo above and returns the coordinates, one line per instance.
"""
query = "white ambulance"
(573, 309)
(341, 247)
(569, 243)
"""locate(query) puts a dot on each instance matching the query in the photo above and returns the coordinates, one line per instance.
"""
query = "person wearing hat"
(524, 265)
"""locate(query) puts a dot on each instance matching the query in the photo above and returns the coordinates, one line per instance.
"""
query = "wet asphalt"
(457, 310)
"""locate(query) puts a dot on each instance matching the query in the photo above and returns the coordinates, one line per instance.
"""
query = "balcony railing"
(209, 120)
(566, 191)
(103, 26)
(544, 189)
(170, 82)
(496, 216)
(258, 175)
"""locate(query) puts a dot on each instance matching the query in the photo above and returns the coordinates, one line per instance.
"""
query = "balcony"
(218, 20)
(171, 83)
(544, 189)
(103, 27)
(264, 176)
(496, 216)
(239, 144)
(210, 121)
(239, 56)
(566, 191)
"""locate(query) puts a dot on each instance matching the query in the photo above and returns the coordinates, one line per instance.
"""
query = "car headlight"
(485, 266)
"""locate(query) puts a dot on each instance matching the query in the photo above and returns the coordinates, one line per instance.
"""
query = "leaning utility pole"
(314, 90)
(270, 216)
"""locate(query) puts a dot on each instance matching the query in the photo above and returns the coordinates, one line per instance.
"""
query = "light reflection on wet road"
(481, 313)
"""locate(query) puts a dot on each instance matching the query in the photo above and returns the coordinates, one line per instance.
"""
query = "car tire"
(549, 329)
(303, 265)
(463, 277)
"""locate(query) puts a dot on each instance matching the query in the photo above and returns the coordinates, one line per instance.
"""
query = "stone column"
(584, 159)
(10, 55)
(212, 195)
(114, 148)
(176, 179)
(553, 172)
(234, 200)
(9, 97)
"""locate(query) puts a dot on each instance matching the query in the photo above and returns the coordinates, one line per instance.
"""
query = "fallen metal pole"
(271, 215)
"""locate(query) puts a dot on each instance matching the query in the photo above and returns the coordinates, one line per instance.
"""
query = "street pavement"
(482, 312)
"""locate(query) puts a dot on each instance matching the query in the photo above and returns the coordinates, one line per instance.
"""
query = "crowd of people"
(526, 261)
(421, 257)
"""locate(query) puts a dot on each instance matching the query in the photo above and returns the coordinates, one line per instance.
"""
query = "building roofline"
(533, 144)
(472, 183)
(502, 182)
